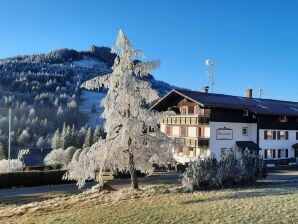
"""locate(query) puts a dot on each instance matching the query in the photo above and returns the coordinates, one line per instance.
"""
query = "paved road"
(161, 178)
(274, 174)
(282, 173)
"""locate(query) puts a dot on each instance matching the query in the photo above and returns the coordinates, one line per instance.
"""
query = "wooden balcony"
(186, 120)
(195, 142)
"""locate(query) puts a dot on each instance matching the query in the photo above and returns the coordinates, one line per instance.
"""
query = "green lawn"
(261, 203)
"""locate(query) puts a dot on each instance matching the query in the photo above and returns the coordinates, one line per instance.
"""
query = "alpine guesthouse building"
(214, 123)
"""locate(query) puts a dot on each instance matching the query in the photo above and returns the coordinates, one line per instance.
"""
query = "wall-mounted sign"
(224, 134)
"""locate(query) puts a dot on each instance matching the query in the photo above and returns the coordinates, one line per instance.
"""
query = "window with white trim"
(223, 152)
(245, 131)
(245, 113)
(269, 154)
(283, 119)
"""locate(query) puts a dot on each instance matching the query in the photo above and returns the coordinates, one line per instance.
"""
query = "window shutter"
(274, 135)
(287, 135)
(273, 153)
(278, 135)
(265, 153)
(265, 134)
(190, 109)
(287, 153)
(279, 153)
(296, 135)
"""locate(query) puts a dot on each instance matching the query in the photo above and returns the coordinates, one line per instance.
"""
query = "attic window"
(283, 119)
(262, 106)
(245, 113)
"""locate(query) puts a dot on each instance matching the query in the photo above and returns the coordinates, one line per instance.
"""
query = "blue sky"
(253, 42)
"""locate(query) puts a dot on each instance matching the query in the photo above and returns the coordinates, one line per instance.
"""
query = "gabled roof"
(256, 105)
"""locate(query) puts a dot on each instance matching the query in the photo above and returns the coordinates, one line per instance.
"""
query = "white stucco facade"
(276, 144)
(216, 144)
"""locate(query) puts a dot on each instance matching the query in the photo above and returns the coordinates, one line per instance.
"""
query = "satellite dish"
(208, 62)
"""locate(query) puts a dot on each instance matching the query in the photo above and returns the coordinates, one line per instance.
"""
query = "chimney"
(248, 93)
(206, 89)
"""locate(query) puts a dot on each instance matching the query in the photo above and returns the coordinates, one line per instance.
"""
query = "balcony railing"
(186, 120)
(199, 142)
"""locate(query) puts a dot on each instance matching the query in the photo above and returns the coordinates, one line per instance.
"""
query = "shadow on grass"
(256, 190)
(21, 200)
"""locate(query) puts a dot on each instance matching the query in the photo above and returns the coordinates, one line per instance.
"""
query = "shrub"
(59, 157)
(32, 178)
(15, 165)
(208, 172)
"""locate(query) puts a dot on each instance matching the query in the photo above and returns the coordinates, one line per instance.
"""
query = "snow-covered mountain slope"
(90, 106)
(44, 91)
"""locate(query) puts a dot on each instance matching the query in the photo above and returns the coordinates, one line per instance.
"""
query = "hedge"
(32, 178)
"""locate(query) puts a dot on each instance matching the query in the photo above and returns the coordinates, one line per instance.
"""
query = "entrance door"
(296, 155)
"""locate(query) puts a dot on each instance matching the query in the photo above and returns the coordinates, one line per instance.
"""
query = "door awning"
(295, 146)
(248, 144)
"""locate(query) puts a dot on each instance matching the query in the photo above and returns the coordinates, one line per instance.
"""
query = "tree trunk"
(133, 173)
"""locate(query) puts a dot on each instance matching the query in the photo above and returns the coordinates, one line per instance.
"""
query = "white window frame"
(244, 128)
(245, 113)
(269, 134)
(283, 119)
(282, 135)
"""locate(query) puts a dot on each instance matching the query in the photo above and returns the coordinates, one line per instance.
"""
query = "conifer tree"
(88, 138)
(133, 140)
(56, 140)
(96, 134)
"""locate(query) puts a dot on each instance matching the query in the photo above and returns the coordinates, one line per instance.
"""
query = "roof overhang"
(170, 94)
(250, 145)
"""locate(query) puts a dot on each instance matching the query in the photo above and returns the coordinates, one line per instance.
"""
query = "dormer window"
(245, 113)
(283, 119)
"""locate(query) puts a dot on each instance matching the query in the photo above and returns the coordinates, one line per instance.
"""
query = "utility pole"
(9, 134)
(9, 137)
(210, 72)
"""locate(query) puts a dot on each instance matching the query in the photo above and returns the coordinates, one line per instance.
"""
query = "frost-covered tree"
(59, 157)
(56, 140)
(96, 134)
(133, 140)
(88, 138)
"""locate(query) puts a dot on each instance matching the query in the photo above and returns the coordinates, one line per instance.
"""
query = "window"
(183, 131)
(269, 154)
(283, 119)
(200, 131)
(282, 153)
(282, 135)
(269, 134)
(168, 130)
(245, 131)
(223, 152)
(245, 113)
(191, 110)
(183, 110)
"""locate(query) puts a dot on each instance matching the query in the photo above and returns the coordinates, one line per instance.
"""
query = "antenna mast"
(210, 72)
(261, 93)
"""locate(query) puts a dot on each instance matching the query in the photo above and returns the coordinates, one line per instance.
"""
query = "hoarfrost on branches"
(133, 140)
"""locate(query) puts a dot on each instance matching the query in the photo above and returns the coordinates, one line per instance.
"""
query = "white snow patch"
(88, 99)
(88, 62)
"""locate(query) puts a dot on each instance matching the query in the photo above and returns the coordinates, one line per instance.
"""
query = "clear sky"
(253, 42)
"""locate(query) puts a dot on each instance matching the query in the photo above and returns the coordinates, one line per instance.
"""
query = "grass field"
(261, 203)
